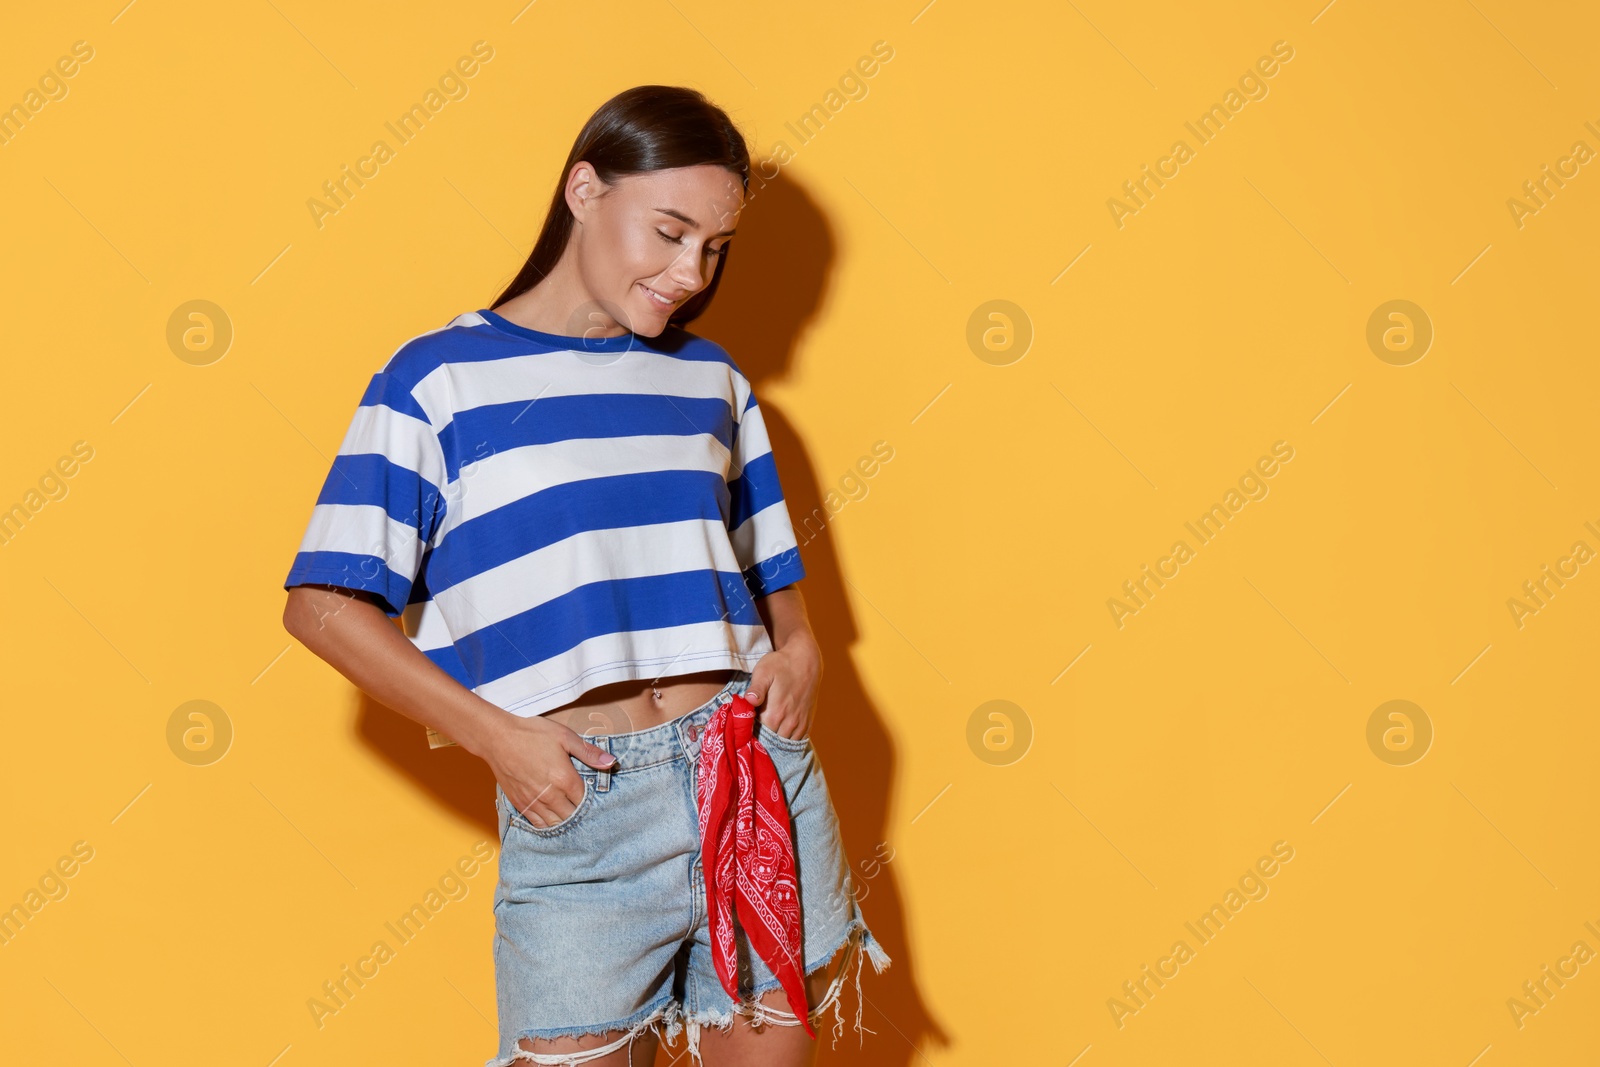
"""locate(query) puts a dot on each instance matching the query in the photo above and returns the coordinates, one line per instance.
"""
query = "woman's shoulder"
(419, 357)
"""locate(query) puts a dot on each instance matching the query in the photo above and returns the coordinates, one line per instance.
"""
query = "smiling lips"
(656, 298)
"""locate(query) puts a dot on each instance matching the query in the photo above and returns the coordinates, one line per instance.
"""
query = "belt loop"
(602, 781)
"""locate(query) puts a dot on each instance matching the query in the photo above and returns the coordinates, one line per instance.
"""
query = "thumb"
(594, 756)
(756, 693)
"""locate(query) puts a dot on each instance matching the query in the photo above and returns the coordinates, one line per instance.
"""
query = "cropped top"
(550, 514)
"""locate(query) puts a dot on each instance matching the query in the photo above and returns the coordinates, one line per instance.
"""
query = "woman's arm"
(784, 612)
(528, 755)
(792, 671)
(348, 630)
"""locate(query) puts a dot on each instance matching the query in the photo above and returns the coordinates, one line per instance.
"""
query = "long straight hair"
(646, 128)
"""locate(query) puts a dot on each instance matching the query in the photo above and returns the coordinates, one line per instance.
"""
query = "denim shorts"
(600, 920)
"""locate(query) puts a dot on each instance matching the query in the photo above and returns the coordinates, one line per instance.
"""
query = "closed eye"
(671, 240)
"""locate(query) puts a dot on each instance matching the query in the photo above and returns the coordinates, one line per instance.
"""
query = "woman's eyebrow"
(681, 217)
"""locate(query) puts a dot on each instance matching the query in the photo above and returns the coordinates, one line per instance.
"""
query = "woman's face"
(652, 240)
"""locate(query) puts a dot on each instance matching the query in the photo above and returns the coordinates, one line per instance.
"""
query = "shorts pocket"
(772, 739)
(521, 822)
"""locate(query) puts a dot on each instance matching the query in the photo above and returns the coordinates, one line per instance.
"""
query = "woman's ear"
(583, 186)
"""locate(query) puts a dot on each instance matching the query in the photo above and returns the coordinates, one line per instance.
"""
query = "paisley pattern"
(746, 853)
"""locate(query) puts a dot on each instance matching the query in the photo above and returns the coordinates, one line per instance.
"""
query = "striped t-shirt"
(550, 514)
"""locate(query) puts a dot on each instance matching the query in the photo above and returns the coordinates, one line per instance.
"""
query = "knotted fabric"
(746, 854)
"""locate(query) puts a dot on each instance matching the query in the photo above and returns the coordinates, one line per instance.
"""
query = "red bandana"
(745, 852)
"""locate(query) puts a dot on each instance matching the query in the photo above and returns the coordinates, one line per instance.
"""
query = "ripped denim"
(600, 920)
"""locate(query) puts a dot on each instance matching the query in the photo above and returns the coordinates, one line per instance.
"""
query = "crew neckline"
(620, 343)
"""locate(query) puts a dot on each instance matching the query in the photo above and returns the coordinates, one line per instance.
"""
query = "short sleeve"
(758, 521)
(382, 504)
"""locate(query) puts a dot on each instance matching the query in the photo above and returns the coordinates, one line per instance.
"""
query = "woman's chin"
(650, 323)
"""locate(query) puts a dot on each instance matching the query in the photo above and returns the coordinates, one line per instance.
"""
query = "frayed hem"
(668, 1019)
(857, 937)
(679, 1021)
(653, 1016)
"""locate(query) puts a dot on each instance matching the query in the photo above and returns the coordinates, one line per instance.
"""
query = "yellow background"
(1016, 890)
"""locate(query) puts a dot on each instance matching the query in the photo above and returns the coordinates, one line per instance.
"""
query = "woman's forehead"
(702, 196)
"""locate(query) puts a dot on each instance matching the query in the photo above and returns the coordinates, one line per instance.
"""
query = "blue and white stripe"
(549, 518)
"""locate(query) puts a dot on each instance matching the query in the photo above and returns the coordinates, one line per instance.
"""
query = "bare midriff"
(622, 707)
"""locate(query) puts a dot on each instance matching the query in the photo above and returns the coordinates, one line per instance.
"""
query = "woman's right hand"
(530, 761)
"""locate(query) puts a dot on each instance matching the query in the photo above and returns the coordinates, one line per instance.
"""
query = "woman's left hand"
(783, 687)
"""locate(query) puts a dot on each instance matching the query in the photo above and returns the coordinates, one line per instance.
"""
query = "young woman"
(572, 504)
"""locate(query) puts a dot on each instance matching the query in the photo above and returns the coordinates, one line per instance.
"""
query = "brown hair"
(646, 128)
